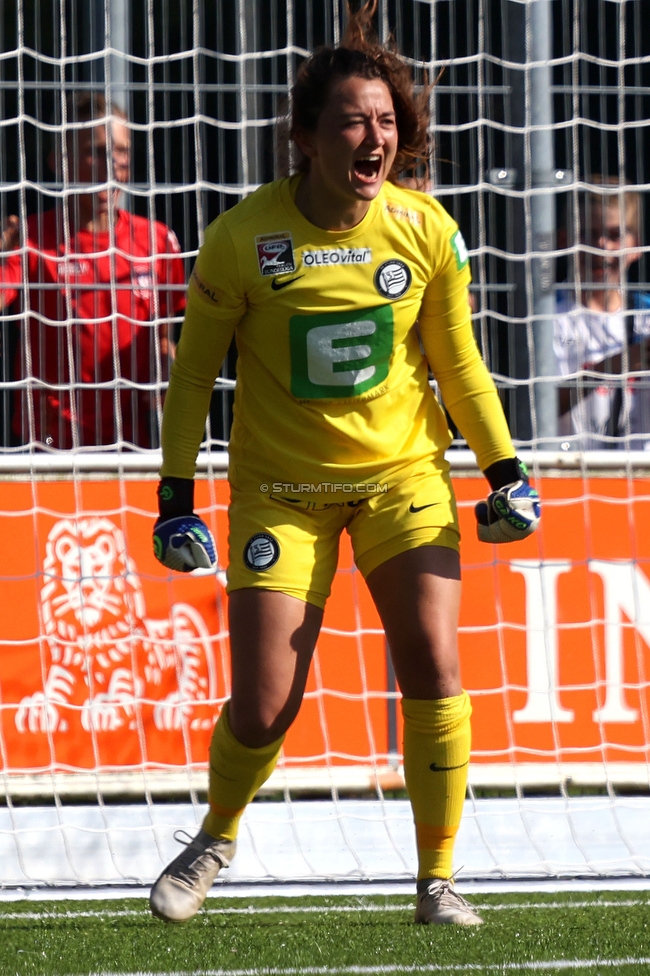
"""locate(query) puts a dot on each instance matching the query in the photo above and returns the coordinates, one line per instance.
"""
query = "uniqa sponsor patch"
(335, 256)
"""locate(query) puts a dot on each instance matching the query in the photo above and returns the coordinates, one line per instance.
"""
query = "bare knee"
(256, 727)
(427, 671)
(272, 639)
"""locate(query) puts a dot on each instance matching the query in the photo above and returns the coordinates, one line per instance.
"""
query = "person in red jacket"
(98, 286)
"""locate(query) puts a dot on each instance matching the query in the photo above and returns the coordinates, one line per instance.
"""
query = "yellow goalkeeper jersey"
(331, 327)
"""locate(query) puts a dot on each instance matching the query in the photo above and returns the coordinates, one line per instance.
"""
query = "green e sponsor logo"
(460, 250)
(340, 354)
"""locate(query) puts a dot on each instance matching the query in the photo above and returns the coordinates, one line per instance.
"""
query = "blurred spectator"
(603, 327)
(94, 283)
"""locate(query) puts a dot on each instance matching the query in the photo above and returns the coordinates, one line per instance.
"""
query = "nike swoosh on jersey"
(276, 284)
(419, 508)
(445, 769)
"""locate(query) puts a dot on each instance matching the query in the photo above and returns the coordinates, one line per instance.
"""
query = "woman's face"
(353, 148)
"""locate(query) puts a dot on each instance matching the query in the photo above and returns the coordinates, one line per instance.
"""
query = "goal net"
(112, 670)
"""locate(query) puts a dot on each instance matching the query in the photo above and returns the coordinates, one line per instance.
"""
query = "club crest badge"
(275, 253)
(392, 279)
(261, 552)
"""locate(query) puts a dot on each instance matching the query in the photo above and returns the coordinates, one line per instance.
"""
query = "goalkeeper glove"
(181, 540)
(511, 511)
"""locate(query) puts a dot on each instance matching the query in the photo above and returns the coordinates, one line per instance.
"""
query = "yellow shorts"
(292, 545)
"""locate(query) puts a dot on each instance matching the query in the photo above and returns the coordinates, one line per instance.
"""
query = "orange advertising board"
(109, 662)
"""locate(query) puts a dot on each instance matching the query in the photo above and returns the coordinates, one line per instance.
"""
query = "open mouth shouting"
(368, 168)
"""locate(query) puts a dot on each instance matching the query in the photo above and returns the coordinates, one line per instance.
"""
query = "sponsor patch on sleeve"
(459, 248)
(206, 291)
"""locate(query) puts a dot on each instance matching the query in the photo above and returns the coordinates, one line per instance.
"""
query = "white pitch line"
(559, 965)
(295, 890)
(317, 910)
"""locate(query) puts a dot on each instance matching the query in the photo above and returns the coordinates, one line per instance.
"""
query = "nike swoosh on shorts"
(419, 508)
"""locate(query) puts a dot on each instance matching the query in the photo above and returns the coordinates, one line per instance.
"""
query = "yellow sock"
(437, 739)
(236, 774)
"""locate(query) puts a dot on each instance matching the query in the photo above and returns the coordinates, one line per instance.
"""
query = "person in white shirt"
(602, 330)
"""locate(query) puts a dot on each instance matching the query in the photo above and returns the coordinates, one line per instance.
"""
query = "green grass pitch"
(576, 932)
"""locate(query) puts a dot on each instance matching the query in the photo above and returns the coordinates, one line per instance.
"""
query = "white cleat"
(181, 889)
(439, 904)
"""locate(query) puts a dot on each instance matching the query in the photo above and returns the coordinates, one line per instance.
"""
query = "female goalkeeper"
(343, 289)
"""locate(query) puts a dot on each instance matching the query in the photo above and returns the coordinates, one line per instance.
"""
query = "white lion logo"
(108, 661)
